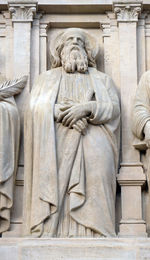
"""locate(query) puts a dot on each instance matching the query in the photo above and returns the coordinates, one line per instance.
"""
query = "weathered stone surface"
(72, 249)
(122, 29)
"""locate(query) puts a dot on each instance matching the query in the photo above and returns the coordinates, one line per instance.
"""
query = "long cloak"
(92, 206)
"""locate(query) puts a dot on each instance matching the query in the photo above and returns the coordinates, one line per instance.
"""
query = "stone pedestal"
(73, 249)
(131, 182)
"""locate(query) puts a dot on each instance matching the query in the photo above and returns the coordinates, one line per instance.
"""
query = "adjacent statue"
(71, 147)
(141, 116)
(9, 145)
(141, 109)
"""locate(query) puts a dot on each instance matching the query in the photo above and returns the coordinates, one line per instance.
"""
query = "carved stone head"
(75, 50)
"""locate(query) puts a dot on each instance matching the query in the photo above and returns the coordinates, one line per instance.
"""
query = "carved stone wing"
(12, 87)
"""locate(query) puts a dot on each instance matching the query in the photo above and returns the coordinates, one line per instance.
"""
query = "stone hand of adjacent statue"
(147, 133)
(71, 114)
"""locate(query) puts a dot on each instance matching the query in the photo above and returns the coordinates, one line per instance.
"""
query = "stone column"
(107, 47)
(147, 42)
(141, 48)
(131, 176)
(114, 47)
(9, 45)
(43, 46)
(22, 12)
(22, 17)
(35, 48)
(2, 44)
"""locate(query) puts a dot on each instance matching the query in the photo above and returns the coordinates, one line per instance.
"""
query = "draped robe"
(9, 144)
(70, 181)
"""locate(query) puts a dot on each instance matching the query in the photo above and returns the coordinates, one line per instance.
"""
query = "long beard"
(74, 58)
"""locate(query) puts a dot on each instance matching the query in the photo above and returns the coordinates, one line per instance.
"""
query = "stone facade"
(122, 28)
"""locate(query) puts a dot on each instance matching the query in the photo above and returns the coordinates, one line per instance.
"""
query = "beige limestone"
(124, 55)
(71, 249)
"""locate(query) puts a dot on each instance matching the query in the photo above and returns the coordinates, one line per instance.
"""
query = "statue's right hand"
(147, 133)
(81, 125)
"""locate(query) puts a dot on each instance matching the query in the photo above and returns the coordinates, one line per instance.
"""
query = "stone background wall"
(122, 29)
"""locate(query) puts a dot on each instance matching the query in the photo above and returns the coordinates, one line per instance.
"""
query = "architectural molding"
(43, 29)
(105, 26)
(22, 11)
(127, 12)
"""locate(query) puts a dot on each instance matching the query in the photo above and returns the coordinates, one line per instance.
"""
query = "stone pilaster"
(21, 14)
(141, 48)
(43, 46)
(9, 45)
(2, 44)
(35, 48)
(107, 47)
(114, 47)
(127, 13)
(147, 41)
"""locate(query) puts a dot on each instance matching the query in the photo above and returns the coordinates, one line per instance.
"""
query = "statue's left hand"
(57, 110)
(70, 116)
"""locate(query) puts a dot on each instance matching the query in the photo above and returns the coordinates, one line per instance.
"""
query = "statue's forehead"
(74, 34)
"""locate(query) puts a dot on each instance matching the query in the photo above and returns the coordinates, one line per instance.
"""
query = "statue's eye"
(80, 40)
(70, 39)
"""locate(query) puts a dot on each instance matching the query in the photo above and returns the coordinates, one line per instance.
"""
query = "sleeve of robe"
(106, 110)
(106, 107)
(141, 106)
(9, 142)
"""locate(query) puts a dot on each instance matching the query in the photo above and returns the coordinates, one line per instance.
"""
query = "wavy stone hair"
(56, 55)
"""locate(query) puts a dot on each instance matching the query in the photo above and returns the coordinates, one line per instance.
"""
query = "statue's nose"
(75, 40)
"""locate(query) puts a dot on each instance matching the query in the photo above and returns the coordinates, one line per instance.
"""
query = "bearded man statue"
(71, 144)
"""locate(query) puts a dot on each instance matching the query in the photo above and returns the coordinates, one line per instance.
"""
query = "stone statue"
(9, 145)
(71, 150)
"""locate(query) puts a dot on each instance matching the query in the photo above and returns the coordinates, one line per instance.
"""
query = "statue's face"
(73, 55)
(74, 39)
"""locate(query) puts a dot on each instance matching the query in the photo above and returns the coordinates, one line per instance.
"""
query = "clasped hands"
(73, 115)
